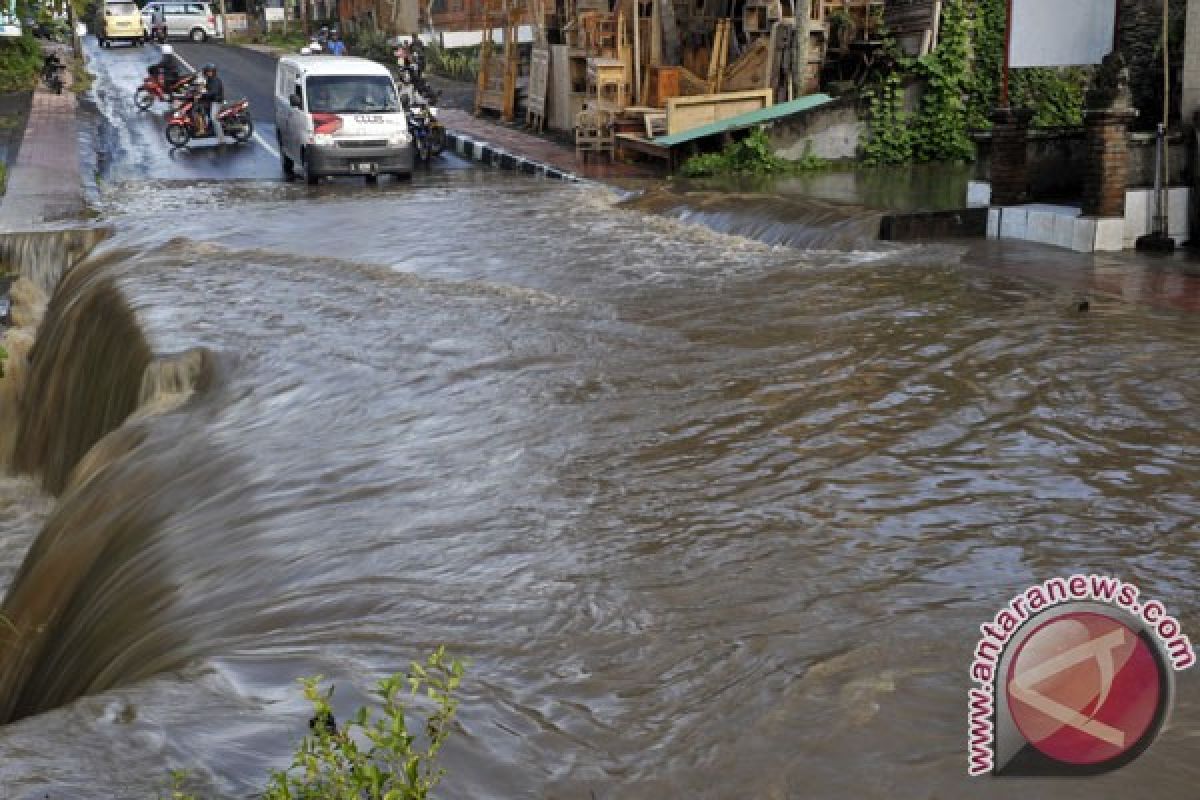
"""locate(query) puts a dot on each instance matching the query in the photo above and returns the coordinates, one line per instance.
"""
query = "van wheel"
(289, 166)
(198, 35)
(310, 177)
(372, 180)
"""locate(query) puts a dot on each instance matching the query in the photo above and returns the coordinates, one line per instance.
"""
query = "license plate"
(365, 166)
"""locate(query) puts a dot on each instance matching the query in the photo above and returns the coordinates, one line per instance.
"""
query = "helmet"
(209, 67)
(167, 50)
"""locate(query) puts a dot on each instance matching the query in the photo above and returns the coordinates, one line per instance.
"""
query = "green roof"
(747, 120)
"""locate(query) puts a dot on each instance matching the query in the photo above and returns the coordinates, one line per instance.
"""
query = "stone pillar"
(1010, 140)
(1106, 163)
(1191, 62)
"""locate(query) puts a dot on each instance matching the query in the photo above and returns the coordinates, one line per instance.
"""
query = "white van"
(196, 21)
(337, 115)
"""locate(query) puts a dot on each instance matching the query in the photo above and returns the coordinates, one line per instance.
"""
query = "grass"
(3, 187)
(292, 42)
(81, 79)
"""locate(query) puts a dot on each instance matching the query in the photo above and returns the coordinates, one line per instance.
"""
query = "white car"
(195, 21)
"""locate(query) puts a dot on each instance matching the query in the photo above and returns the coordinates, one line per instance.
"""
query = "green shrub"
(372, 758)
(20, 63)
(750, 155)
(374, 45)
(458, 65)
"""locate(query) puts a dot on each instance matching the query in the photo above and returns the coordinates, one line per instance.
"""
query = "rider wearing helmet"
(214, 92)
(167, 67)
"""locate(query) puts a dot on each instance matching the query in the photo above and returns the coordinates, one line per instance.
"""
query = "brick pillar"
(1010, 138)
(1107, 162)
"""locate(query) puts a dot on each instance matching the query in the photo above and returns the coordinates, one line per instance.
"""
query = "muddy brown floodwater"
(709, 518)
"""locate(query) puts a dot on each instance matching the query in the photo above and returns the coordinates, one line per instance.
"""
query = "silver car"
(195, 21)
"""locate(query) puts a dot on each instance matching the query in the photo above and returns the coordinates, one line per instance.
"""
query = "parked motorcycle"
(186, 122)
(52, 70)
(158, 32)
(155, 87)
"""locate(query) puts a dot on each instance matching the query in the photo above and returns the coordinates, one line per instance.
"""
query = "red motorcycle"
(187, 122)
(155, 87)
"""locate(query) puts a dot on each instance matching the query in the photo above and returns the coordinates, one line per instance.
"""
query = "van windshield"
(351, 94)
(120, 9)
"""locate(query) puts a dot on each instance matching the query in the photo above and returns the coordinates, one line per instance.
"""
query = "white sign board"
(1061, 33)
(273, 14)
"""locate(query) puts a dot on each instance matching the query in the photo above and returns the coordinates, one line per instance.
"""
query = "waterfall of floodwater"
(709, 518)
(802, 223)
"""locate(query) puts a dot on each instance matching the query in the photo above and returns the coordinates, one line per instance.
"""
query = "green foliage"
(938, 131)
(1054, 95)
(941, 125)
(178, 789)
(20, 63)
(372, 758)
(459, 64)
(372, 44)
(750, 155)
(3, 187)
(891, 139)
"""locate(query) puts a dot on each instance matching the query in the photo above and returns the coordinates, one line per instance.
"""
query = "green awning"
(746, 120)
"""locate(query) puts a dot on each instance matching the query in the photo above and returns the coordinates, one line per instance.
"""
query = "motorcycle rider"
(335, 46)
(214, 93)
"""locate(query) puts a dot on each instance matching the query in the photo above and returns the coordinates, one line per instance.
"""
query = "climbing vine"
(960, 83)
(941, 126)
(891, 140)
(938, 130)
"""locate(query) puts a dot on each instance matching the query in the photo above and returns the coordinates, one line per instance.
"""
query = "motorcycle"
(155, 87)
(52, 70)
(158, 32)
(418, 117)
(186, 122)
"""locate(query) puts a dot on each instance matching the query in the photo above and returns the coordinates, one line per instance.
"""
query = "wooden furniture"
(607, 84)
(661, 83)
(593, 133)
(686, 113)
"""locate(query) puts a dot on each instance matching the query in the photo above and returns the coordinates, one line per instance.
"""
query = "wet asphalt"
(134, 142)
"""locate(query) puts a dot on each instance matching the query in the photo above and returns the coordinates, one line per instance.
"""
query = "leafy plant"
(749, 156)
(941, 125)
(179, 790)
(373, 44)
(20, 63)
(374, 758)
(891, 136)
(459, 64)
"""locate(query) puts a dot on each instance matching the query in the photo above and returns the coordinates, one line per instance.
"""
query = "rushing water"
(709, 518)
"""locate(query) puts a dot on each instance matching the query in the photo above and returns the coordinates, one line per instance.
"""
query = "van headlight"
(399, 139)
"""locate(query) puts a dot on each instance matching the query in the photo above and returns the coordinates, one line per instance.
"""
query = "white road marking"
(257, 137)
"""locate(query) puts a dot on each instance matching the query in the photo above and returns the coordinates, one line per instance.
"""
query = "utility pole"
(224, 21)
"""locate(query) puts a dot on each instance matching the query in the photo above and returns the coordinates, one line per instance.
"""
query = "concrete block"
(1040, 227)
(1014, 223)
(1110, 234)
(979, 194)
(1084, 240)
(993, 224)
(1064, 230)
(1177, 212)
(1139, 214)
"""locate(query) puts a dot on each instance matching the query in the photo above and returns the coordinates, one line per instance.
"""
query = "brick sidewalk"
(534, 148)
(44, 182)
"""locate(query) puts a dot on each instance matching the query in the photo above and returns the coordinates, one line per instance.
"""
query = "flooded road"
(709, 518)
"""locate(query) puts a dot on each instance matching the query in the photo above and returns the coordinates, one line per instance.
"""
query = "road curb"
(487, 153)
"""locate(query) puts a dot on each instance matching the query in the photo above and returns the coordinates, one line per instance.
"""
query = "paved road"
(134, 140)
(137, 147)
